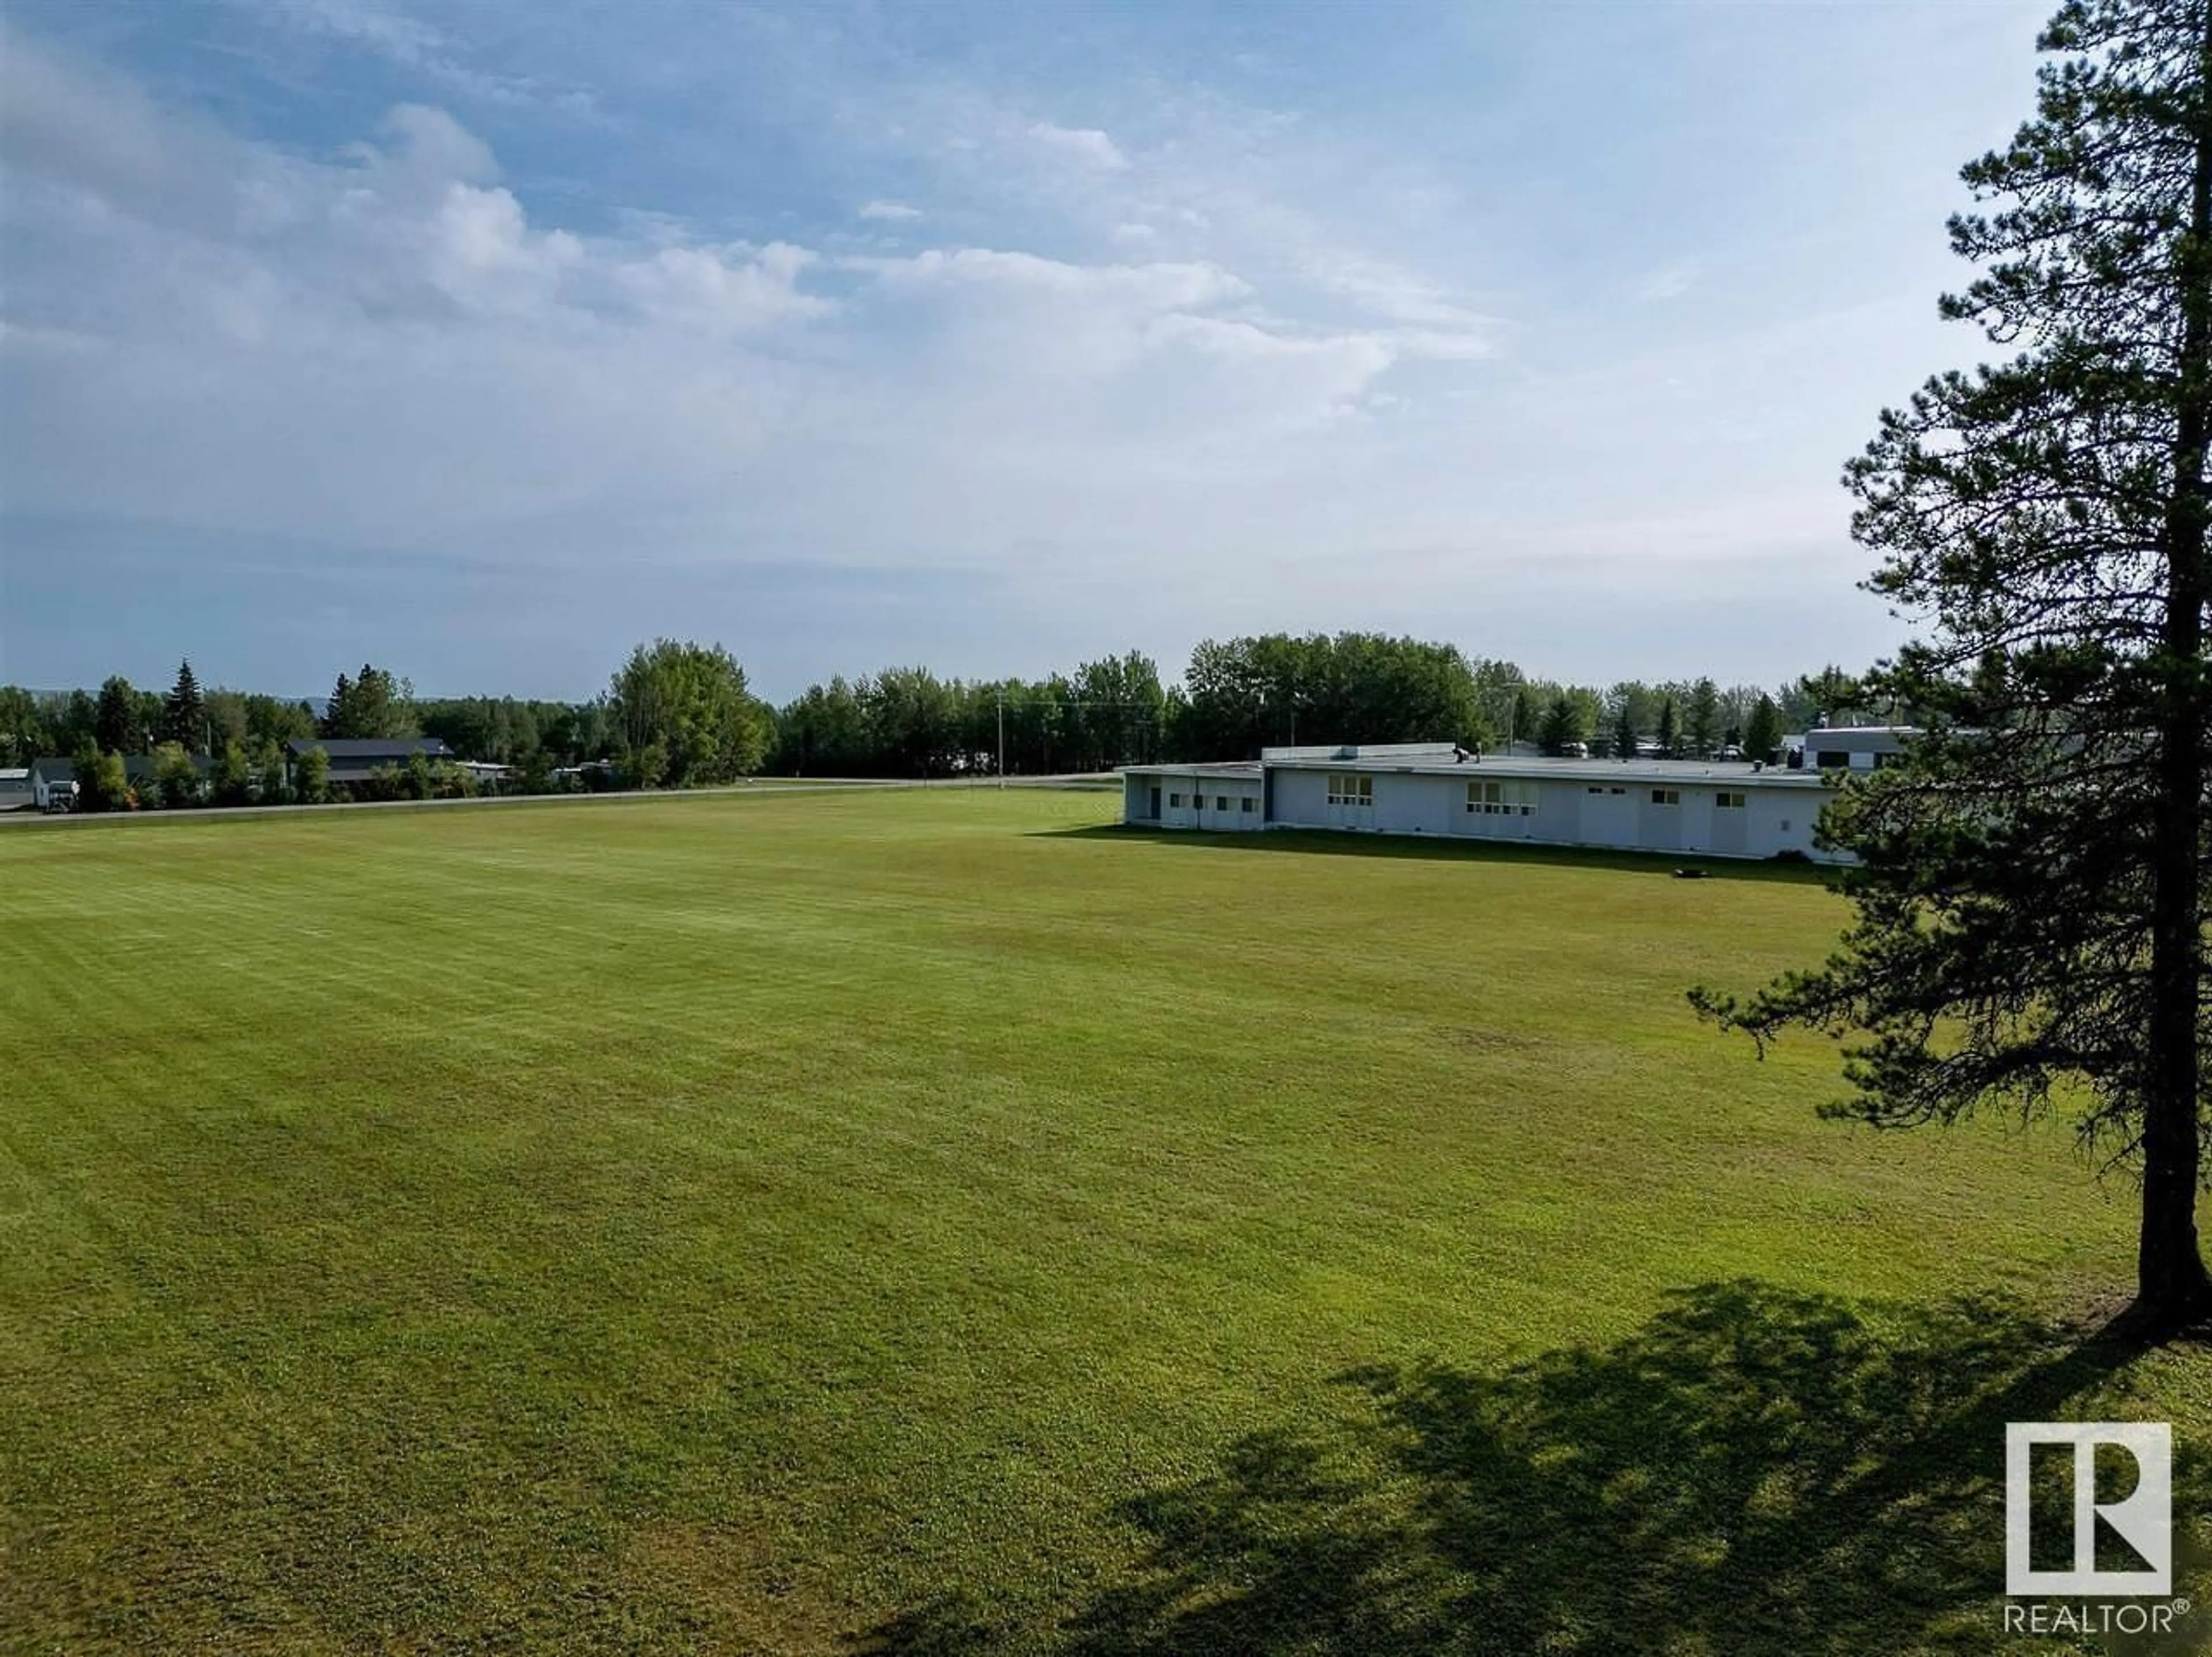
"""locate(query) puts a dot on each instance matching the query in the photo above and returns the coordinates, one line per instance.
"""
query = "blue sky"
(480, 341)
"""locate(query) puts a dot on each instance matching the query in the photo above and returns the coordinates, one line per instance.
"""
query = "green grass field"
(937, 1222)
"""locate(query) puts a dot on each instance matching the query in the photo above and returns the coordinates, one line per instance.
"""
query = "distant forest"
(679, 714)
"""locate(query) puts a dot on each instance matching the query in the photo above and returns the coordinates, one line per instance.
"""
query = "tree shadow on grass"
(1753, 1472)
(1448, 848)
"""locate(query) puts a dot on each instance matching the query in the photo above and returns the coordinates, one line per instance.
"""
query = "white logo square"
(2144, 1519)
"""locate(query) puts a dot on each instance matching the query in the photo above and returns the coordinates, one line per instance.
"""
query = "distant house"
(14, 788)
(143, 771)
(1846, 747)
(356, 759)
(53, 784)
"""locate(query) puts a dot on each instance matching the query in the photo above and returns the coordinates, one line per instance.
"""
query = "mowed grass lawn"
(934, 1222)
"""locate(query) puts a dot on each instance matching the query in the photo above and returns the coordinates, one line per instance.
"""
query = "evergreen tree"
(1562, 723)
(116, 729)
(183, 713)
(337, 712)
(1702, 724)
(1762, 737)
(2030, 892)
(374, 706)
(1624, 730)
(1831, 696)
(1524, 720)
(1670, 731)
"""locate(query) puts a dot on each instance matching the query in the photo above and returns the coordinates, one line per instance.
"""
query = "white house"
(53, 784)
(1716, 808)
(1848, 747)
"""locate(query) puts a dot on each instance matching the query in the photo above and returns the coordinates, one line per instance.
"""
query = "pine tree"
(115, 726)
(338, 712)
(1762, 736)
(1523, 716)
(1562, 723)
(2030, 891)
(183, 713)
(1624, 732)
(373, 706)
(1702, 723)
(1670, 731)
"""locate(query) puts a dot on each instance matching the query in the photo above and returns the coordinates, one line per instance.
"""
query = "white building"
(1715, 809)
(53, 784)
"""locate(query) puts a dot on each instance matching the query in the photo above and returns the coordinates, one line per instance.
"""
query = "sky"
(481, 340)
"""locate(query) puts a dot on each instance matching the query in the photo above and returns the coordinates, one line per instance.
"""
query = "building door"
(1156, 805)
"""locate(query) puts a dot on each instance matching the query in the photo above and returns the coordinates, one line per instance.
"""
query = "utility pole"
(1002, 736)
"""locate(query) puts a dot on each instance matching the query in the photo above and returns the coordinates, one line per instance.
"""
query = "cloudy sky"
(480, 340)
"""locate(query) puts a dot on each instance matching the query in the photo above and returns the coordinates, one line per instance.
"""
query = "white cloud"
(435, 145)
(1086, 145)
(1663, 282)
(730, 290)
(1151, 287)
(1352, 362)
(397, 344)
(407, 41)
(403, 39)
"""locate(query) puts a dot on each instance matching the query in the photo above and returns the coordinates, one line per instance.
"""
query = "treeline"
(1240, 695)
(907, 722)
(682, 715)
(675, 715)
(120, 719)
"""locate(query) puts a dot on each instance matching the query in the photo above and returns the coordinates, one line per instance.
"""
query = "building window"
(1502, 799)
(1666, 797)
(1726, 801)
(1248, 804)
(1221, 802)
(1832, 759)
(1595, 788)
(1786, 825)
(1345, 789)
(1176, 800)
(1616, 790)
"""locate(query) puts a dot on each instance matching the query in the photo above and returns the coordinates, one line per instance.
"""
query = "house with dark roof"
(356, 759)
(53, 784)
(53, 780)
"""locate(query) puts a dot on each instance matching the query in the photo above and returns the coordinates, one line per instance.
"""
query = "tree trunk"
(2172, 1287)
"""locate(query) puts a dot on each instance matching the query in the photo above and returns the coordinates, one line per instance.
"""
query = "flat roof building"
(358, 759)
(1706, 808)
